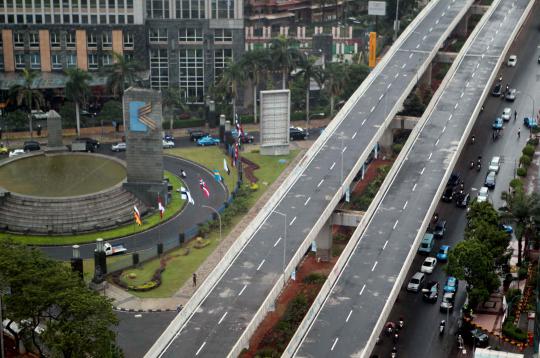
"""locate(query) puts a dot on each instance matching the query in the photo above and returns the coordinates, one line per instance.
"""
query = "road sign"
(377, 8)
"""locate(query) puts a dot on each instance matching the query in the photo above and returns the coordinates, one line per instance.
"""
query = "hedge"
(525, 160)
(513, 332)
(522, 172)
(315, 278)
(528, 150)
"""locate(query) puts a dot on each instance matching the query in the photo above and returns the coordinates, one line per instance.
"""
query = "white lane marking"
(384, 246)
(260, 265)
(474, 73)
(467, 84)
(348, 316)
(374, 265)
(437, 22)
(364, 121)
(478, 65)
(223, 317)
(424, 38)
(487, 48)
(430, 154)
(410, 55)
(344, 149)
(496, 32)
(333, 164)
(395, 224)
(333, 345)
(389, 85)
(381, 96)
(405, 205)
(430, 29)
(200, 349)
(451, 115)
(318, 185)
(417, 45)
(444, 128)
(243, 289)
(372, 109)
(397, 75)
(462, 94)
(414, 187)
(437, 142)
(456, 106)
(422, 171)
(277, 242)
(354, 135)
(444, 13)
(307, 201)
(138, 315)
(292, 221)
(362, 290)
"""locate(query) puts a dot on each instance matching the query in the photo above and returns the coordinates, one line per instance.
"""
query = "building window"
(190, 35)
(92, 61)
(159, 68)
(71, 60)
(56, 62)
(158, 35)
(191, 74)
(106, 40)
(106, 59)
(222, 35)
(128, 40)
(70, 39)
(19, 61)
(128, 57)
(55, 40)
(221, 58)
(35, 61)
(222, 9)
(34, 39)
(1, 62)
(91, 40)
(158, 9)
(130, 19)
(18, 39)
(190, 9)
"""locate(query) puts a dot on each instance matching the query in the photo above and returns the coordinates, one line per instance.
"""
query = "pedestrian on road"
(194, 279)
(39, 130)
(515, 115)
(519, 133)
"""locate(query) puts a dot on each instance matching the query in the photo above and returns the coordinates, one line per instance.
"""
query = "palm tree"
(77, 90)
(308, 71)
(284, 56)
(174, 97)
(232, 77)
(24, 95)
(255, 64)
(335, 78)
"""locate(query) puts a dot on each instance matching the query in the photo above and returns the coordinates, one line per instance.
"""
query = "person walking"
(519, 133)
(194, 279)
(515, 115)
(39, 130)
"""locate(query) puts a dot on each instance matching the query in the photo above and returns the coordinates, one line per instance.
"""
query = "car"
(440, 228)
(495, 164)
(506, 114)
(512, 60)
(167, 144)
(92, 145)
(451, 284)
(195, 135)
(428, 265)
(454, 180)
(463, 199)
(478, 338)
(497, 90)
(246, 138)
(490, 180)
(442, 255)
(16, 152)
(3, 149)
(447, 304)
(168, 137)
(431, 292)
(507, 228)
(86, 113)
(416, 282)
(119, 147)
(297, 133)
(497, 123)
(448, 195)
(30, 146)
(483, 194)
(530, 122)
(511, 95)
(208, 140)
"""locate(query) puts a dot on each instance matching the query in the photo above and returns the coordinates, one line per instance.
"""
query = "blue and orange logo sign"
(139, 120)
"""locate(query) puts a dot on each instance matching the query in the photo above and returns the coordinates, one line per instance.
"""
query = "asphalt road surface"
(346, 322)
(420, 337)
(219, 321)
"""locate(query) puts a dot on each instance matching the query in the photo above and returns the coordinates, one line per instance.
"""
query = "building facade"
(183, 43)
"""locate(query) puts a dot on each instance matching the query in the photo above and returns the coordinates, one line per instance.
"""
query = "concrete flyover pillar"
(386, 141)
(462, 27)
(425, 80)
(324, 241)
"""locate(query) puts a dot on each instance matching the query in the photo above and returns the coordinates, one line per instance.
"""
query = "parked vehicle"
(530, 122)
(168, 137)
(16, 152)
(442, 255)
(431, 292)
(296, 133)
(195, 135)
(490, 180)
(511, 95)
(111, 250)
(506, 114)
(208, 140)
(428, 265)
(167, 144)
(483, 194)
(119, 147)
(440, 229)
(31, 145)
(3, 149)
(507, 229)
(494, 165)
(497, 123)
(416, 282)
(427, 244)
(451, 284)
(447, 304)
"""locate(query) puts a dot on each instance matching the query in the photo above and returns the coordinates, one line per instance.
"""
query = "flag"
(217, 176)
(204, 188)
(160, 207)
(226, 167)
(186, 195)
(235, 154)
(137, 215)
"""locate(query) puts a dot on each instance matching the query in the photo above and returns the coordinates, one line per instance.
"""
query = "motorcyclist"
(183, 173)
(473, 139)
(441, 326)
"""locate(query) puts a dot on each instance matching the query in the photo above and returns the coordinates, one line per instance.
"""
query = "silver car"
(416, 282)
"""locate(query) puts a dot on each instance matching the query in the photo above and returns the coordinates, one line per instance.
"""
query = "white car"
(506, 114)
(16, 152)
(512, 60)
(428, 265)
(168, 144)
(495, 164)
(119, 147)
(482, 194)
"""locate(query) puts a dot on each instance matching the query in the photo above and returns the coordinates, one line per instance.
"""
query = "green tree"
(335, 78)
(77, 90)
(232, 78)
(121, 74)
(68, 113)
(256, 64)
(356, 74)
(76, 322)
(413, 105)
(15, 119)
(173, 99)
(27, 97)
(308, 71)
(284, 56)
(111, 111)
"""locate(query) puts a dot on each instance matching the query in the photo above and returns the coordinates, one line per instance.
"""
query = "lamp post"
(396, 26)
(219, 217)
(284, 241)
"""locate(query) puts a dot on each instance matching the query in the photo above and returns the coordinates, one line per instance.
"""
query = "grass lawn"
(180, 268)
(174, 207)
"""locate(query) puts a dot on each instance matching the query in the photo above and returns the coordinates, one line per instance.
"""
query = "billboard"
(275, 122)
(377, 8)
(372, 49)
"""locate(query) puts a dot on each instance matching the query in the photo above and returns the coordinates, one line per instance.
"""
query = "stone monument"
(54, 132)
(275, 122)
(144, 147)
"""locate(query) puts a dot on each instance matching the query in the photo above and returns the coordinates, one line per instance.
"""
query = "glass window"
(158, 9)
(57, 19)
(1, 62)
(128, 56)
(190, 9)
(20, 19)
(128, 40)
(71, 60)
(112, 19)
(39, 19)
(106, 59)
(121, 19)
(47, 18)
(18, 39)
(222, 35)
(66, 19)
(190, 35)
(75, 19)
(35, 61)
(106, 39)
(93, 19)
(19, 61)
(56, 61)
(93, 61)
(84, 19)
(222, 9)
(11, 19)
(130, 19)
(221, 58)
(191, 74)
(158, 35)
(129, 4)
(91, 40)
(34, 39)
(70, 39)
(55, 39)
(159, 68)
(102, 19)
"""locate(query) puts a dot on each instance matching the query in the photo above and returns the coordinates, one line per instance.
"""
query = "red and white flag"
(235, 155)
(204, 188)
(226, 167)
(161, 208)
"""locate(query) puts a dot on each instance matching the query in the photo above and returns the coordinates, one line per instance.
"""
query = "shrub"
(522, 172)
(533, 142)
(396, 148)
(513, 292)
(298, 116)
(513, 332)
(267, 352)
(522, 272)
(516, 183)
(525, 160)
(201, 243)
(315, 278)
(528, 150)
(246, 118)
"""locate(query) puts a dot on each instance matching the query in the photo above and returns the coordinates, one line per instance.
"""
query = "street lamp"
(219, 217)
(396, 26)
(284, 242)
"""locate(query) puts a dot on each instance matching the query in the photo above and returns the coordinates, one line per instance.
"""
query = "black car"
(448, 195)
(490, 180)
(511, 95)
(431, 292)
(462, 200)
(478, 338)
(168, 137)
(31, 145)
(297, 133)
(454, 180)
(196, 135)
(440, 228)
(91, 144)
(497, 90)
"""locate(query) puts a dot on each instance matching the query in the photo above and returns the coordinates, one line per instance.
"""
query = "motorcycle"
(478, 167)
(473, 139)
(471, 165)
(441, 327)
(394, 352)
(401, 323)
(183, 174)
(396, 338)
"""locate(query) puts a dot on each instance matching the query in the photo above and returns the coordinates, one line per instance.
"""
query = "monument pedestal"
(55, 143)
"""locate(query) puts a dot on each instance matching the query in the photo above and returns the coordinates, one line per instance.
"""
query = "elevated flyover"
(352, 308)
(227, 307)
